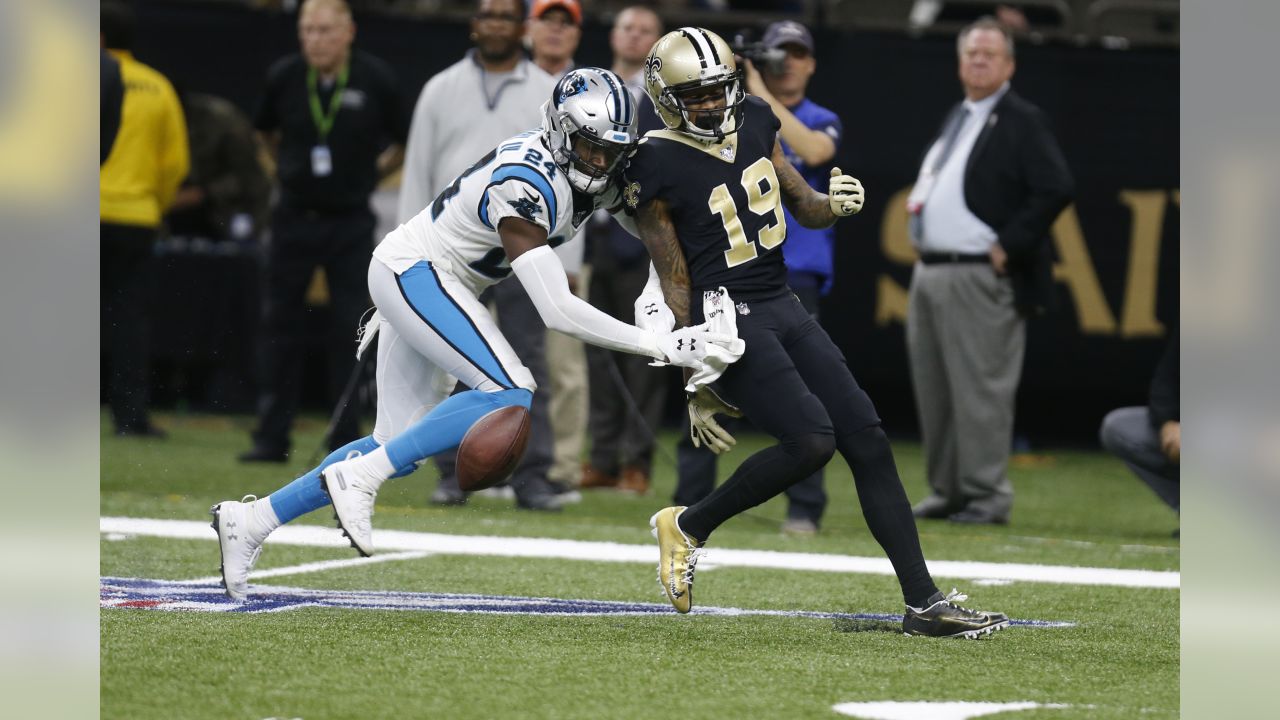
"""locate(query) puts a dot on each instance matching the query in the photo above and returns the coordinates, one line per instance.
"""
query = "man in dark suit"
(989, 189)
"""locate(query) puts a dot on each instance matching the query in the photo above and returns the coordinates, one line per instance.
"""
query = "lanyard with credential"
(324, 120)
(321, 159)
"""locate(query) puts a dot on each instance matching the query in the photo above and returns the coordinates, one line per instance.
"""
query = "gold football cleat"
(677, 555)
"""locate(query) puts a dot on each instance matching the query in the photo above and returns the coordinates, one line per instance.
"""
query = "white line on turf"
(314, 567)
(316, 536)
(933, 710)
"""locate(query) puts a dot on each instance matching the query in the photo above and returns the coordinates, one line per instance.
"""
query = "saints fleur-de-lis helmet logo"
(652, 65)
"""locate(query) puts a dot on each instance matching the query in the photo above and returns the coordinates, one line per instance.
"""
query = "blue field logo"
(177, 596)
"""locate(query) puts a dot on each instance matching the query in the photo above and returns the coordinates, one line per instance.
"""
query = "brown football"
(492, 448)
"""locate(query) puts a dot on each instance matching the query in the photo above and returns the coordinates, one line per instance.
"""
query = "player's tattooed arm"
(807, 205)
(658, 233)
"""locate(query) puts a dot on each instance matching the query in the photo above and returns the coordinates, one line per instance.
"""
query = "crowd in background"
(331, 127)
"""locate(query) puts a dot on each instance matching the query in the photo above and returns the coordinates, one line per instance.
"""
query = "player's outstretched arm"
(543, 277)
(658, 233)
(812, 208)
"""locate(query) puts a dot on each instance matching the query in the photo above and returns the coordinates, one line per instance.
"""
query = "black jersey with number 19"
(725, 202)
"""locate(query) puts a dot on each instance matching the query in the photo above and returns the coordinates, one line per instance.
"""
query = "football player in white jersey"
(502, 216)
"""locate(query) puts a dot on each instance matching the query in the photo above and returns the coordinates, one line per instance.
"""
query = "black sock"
(887, 511)
(763, 476)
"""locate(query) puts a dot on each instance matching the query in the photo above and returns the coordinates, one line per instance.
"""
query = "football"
(492, 448)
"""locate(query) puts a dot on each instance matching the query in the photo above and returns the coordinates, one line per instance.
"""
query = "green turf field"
(1119, 660)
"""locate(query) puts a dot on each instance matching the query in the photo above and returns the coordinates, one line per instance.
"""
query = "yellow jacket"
(150, 157)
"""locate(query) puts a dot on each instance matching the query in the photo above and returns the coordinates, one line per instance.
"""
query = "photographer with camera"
(778, 68)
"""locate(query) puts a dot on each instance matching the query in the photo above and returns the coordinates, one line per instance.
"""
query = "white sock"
(375, 466)
(264, 518)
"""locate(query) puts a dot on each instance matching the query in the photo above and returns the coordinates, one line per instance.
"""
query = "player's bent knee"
(810, 451)
(516, 397)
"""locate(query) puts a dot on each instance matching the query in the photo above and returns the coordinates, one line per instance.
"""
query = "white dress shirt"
(947, 224)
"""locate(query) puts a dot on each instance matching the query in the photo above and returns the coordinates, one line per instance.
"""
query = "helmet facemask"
(724, 98)
(593, 162)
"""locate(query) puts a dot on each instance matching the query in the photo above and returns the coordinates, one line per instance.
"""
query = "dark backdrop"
(1115, 114)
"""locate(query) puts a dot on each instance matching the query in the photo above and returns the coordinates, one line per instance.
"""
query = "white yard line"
(313, 567)
(402, 540)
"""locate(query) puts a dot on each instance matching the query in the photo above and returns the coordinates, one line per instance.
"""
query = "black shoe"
(146, 431)
(263, 455)
(974, 516)
(446, 496)
(542, 500)
(933, 508)
(944, 618)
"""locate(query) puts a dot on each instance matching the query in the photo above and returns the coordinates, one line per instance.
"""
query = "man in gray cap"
(810, 138)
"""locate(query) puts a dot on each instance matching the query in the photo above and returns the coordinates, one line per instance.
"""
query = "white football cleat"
(352, 495)
(231, 520)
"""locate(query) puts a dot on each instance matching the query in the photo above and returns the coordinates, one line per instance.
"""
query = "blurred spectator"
(555, 28)
(136, 183)
(810, 138)
(1149, 439)
(622, 427)
(554, 32)
(110, 99)
(335, 119)
(989, 189)
(463, 112)
(225, 195)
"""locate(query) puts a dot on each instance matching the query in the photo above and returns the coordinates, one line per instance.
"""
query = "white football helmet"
(695, 63)
(590, 127)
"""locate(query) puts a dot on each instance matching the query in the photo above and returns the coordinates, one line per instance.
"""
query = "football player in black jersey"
(706, 194)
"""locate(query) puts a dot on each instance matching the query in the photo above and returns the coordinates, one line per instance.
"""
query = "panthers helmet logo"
(571, 85)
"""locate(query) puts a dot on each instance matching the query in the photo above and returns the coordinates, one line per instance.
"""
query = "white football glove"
(652, 314)
(844, 193)
(688, 347)
(703, 428)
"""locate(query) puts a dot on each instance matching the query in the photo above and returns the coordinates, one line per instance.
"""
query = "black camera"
(766, 59)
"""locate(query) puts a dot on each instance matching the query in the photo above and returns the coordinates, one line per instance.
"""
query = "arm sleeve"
(1164, 387)
(415, 182)
(540, 272)
(395, 120)
(175, 154)
(1050, 188)
(265, 118)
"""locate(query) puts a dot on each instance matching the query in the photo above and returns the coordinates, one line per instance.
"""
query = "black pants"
(126, 275)
(301, 241)
(696, 467)
(794, 384)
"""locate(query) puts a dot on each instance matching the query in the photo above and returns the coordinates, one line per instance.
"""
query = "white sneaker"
(352, 495)
(231, 520)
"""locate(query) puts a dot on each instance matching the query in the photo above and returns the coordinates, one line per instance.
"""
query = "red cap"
(572, 6)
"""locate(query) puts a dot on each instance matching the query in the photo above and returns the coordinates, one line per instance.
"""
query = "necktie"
(949, 138)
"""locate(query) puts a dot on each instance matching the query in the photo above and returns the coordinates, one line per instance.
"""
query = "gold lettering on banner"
(1075, 270)
(1138, 314)
(891, 298)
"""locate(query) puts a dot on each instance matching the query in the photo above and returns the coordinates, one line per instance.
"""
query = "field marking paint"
(312, 567)
(148, 594)
(317, 536)
(933, 710)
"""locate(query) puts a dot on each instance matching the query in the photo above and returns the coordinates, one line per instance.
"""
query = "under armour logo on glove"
(687, 344)
(651, 309)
